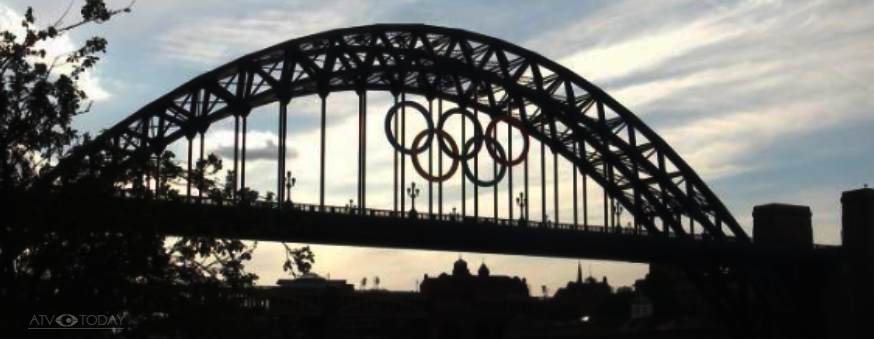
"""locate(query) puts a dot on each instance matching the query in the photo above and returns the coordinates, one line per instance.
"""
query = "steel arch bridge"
(574, 118)
(603, 140)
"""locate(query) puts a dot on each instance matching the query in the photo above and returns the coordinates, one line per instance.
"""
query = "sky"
(769, 101)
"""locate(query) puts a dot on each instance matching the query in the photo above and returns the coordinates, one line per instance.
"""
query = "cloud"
(732, 80)
(647, 93)
(56, 50)
(641, 53)
(215, 40)
(270, 151)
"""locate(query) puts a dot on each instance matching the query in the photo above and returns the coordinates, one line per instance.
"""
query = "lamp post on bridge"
(520, 200)
(350, 208)
(619, 209)
(413, 193)
(289, 183)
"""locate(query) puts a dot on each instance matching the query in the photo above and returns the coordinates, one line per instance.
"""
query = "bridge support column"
(439, 166)
(236, 155)
(322, 156)
(243, 154)
(362, 148)
(858, 242)
(199, 190)
(510, 195)
(190, 154)
(280, 168)
(403, 159)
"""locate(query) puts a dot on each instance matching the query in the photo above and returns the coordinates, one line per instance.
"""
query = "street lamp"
(520, 200)
(289, 183)
(413, 192)
(619, 210)
(350, 208)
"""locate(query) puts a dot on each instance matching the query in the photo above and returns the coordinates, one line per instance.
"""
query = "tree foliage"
(39, 96)
(61, 253)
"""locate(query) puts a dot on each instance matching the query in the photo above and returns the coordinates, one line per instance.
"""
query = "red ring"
(440, 134)
(512, 122)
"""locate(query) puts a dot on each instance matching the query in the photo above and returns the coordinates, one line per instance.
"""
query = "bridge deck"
(379, 228)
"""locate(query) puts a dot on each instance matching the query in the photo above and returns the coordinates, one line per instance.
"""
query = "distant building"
(586, 295)
(314, 281)
(463, 305)
(463, 284)
(456, 305)
(460, 305)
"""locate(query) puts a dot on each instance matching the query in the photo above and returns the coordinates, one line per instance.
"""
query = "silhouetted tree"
(616, 309)
(38, 97)
(60, 252)
(660, 288)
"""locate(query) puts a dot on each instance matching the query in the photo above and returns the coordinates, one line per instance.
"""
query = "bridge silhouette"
(674, 216)
(352, 226)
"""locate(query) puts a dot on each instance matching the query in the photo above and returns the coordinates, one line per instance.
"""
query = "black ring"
(477, 134)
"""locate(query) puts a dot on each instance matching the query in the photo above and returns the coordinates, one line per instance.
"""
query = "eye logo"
(67, 320)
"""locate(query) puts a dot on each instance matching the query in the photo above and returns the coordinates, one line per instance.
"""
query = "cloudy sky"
(770, 101)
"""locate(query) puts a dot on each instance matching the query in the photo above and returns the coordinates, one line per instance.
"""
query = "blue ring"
(394, 142)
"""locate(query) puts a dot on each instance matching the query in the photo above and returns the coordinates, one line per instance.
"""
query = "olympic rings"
(512, 122)
(473, 178)
(440, 134)
(394, 141)
(477, 134)
(469, 149)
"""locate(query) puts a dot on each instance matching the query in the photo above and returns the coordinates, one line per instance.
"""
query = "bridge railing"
(379, 213)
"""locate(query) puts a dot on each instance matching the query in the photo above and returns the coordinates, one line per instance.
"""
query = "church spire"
(579, 273)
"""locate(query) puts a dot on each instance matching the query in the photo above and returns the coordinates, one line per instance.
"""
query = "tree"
(38, 101)
(58, 252)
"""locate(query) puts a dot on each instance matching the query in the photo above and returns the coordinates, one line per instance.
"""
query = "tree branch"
(66, 12)
(112, 13)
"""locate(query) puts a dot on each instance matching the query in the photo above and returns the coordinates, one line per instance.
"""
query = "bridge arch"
(559, 108)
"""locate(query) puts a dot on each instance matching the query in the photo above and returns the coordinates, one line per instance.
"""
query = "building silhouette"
(456, 305)
(663, 305)
(586, 296)
(462, 284)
